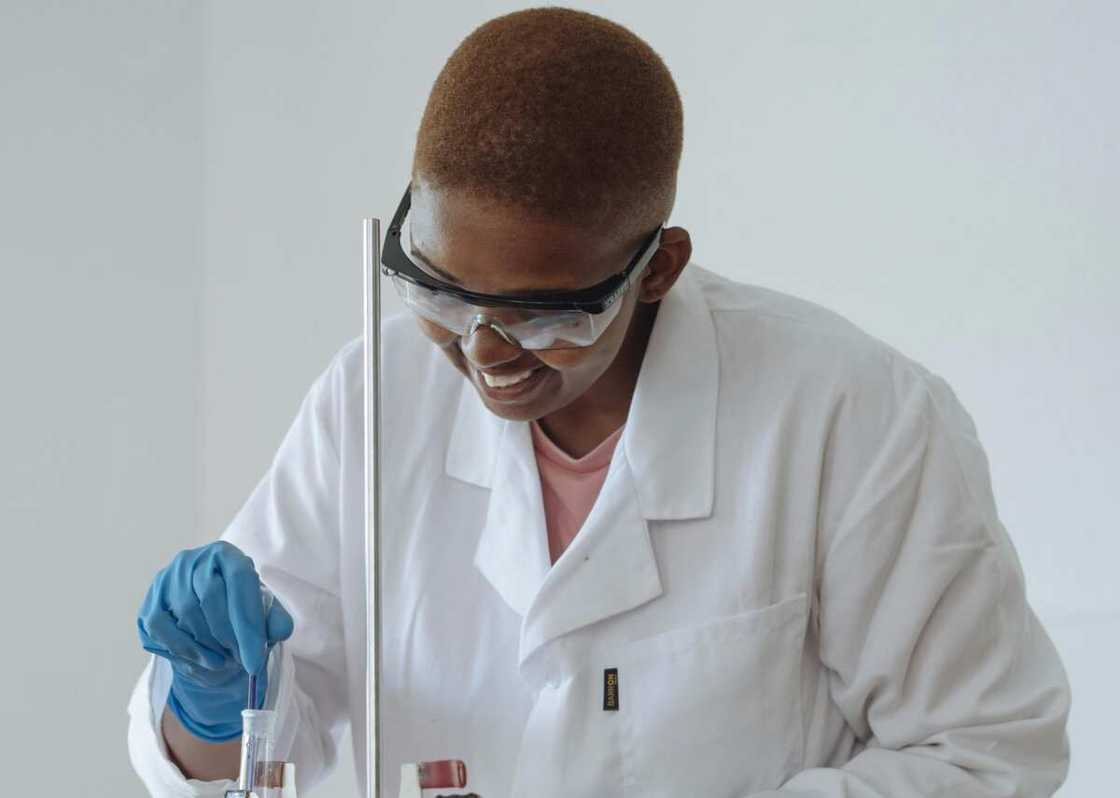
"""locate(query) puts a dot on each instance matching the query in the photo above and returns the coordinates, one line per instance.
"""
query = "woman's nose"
(486, 347)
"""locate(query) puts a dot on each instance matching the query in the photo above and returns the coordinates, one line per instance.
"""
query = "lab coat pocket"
(714, 709)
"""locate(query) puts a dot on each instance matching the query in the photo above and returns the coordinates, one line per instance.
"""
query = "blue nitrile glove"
(204, 614)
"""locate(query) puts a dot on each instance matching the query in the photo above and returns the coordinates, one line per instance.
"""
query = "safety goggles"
(538, 320)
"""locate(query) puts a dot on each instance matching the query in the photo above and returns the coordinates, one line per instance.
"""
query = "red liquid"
(443, 773)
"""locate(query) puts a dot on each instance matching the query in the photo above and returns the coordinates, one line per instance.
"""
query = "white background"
(181, 185)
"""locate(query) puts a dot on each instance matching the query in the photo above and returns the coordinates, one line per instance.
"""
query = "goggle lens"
(531, 329)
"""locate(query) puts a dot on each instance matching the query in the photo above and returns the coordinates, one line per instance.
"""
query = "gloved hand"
(204, 614)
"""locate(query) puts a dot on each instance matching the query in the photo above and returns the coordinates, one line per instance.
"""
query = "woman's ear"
(666, 264)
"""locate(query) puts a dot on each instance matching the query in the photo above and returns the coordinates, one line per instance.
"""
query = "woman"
(653, 533)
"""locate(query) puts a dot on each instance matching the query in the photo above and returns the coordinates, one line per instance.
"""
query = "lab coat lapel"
(608, 568)
(493, 453)
(662, 469)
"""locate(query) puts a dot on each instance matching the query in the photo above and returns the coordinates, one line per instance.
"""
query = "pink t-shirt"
(569, 486)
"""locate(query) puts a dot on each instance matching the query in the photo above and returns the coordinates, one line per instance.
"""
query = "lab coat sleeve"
(289, 526)
(935, 659)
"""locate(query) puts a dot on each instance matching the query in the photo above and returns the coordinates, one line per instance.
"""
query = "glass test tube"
(259, 770)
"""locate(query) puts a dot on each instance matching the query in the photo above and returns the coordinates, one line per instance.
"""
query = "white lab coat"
(794, 564)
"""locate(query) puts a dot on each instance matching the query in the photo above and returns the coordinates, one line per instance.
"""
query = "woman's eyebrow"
(436, 269)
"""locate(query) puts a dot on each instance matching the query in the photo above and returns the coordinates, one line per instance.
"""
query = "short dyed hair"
(557, 112)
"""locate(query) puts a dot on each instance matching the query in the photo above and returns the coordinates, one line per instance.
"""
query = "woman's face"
(497, 250)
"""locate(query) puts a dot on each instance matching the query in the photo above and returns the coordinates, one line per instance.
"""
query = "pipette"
(266, 600)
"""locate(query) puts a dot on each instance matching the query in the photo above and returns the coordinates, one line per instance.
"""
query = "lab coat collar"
(670, 432)
(670, 435)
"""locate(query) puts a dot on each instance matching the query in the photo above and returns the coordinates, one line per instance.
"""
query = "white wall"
(940, 173)
(294, 146)
(100, 190)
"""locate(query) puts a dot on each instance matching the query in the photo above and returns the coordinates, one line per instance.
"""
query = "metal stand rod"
(371, 302)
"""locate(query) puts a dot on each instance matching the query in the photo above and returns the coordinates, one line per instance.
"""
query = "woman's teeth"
(506, 380)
